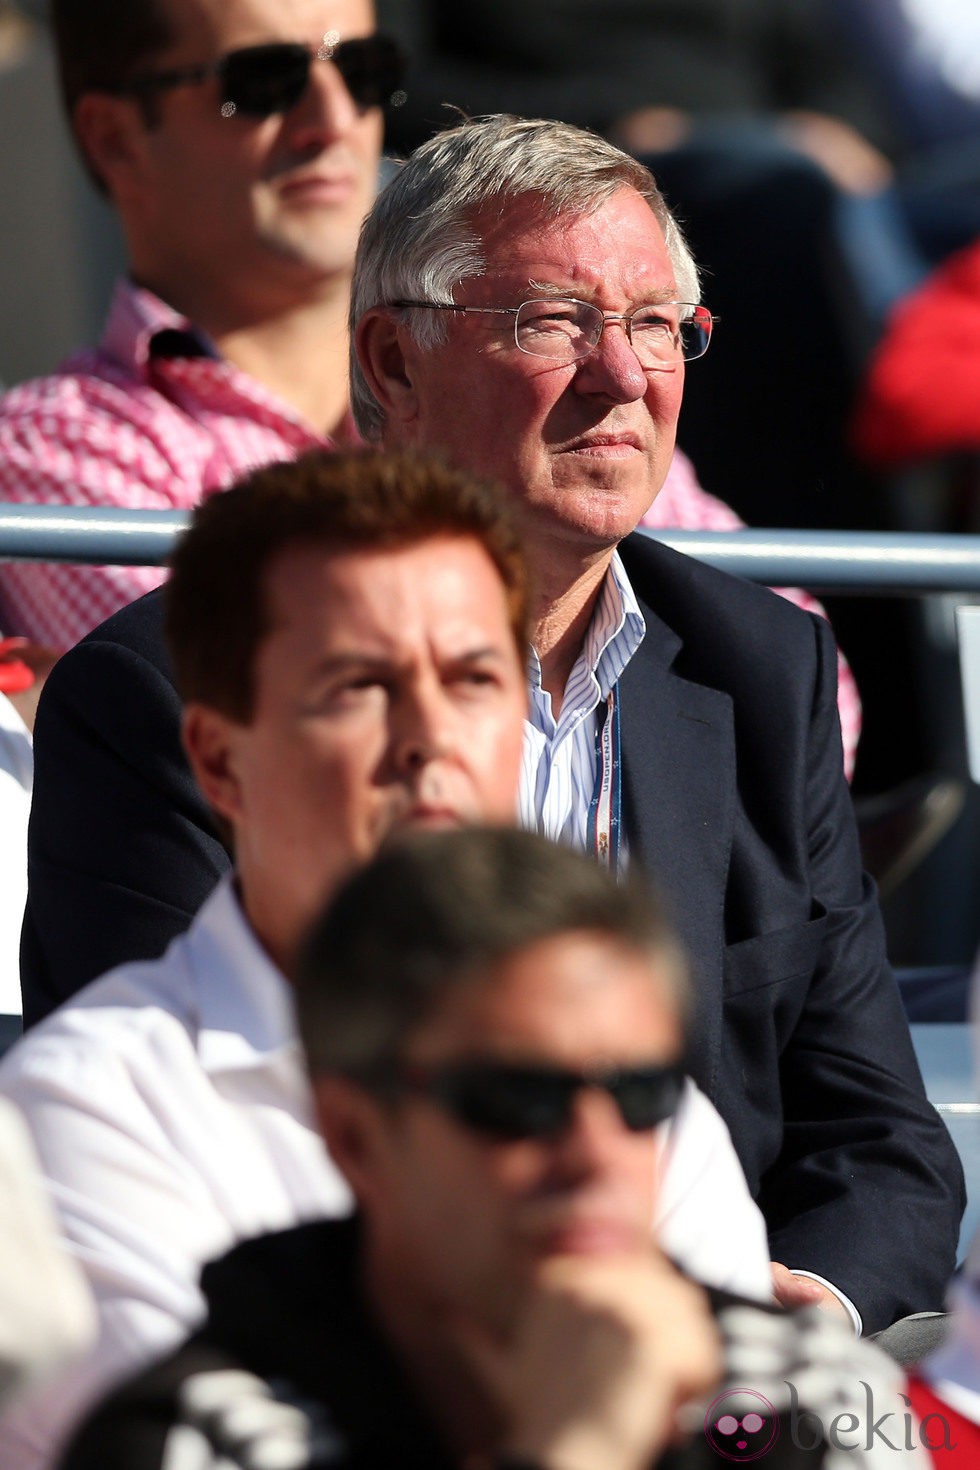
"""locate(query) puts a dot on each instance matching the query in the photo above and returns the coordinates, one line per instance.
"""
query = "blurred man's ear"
(210, 742)
(350, 1121)
(385, 353)
(111, 133)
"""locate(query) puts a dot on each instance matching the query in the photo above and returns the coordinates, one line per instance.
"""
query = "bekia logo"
(741, 1425)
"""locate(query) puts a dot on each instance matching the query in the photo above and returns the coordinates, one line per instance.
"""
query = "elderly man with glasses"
(525, 305)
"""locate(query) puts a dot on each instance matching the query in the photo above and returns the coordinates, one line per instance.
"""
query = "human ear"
(210, 745)
(111, 133)
(349, 1121)
(385, 357)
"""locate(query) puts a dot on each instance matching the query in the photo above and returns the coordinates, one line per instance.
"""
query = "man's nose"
(612, 369)
(592, 1136)
(423, 731)
(326, 109)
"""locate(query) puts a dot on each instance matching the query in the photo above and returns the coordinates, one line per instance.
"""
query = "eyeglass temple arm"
(160, 81)
(451, 306)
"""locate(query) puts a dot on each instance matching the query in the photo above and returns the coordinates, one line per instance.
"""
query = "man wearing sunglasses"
(525, 305)
(349, 637)
(238, 142)
(494, 1030)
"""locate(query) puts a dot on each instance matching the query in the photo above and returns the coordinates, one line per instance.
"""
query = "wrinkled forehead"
(528, 241)
(534, 215)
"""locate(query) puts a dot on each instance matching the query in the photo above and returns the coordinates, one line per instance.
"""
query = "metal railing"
(840, 561)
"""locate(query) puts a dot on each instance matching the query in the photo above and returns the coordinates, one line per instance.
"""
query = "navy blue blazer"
(734, 798)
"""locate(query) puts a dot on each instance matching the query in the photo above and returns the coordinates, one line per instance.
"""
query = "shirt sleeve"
(706, 1219)
(136, 1214)
(845, 1301)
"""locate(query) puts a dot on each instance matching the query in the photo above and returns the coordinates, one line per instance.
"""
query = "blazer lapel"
(678, 797)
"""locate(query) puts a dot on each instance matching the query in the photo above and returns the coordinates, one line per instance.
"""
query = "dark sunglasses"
(262, 80)
(514, 1102)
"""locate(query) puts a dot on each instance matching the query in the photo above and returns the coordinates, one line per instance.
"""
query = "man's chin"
(594, 522)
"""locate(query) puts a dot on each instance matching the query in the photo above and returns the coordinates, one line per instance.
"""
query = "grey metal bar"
(95, 535)
(853, 562)
(840, 561)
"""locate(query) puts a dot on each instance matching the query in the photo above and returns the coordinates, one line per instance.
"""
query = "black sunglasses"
(514, 1102)
(262, 80)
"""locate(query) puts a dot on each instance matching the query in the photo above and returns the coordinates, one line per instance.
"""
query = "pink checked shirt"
(683, 505)
(125, 425)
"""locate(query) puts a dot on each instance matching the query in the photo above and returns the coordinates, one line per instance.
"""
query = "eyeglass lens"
(519, 1102)
(567, 330)
(261, 80)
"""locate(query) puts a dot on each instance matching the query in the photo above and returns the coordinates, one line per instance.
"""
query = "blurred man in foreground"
(494, 1030)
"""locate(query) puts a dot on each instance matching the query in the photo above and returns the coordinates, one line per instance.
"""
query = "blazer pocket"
(768, 959)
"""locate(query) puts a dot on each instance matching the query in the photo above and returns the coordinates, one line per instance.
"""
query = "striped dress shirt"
(558, 765)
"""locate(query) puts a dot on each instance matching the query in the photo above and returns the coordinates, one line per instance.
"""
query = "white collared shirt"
(172, 1118)
(558, 764)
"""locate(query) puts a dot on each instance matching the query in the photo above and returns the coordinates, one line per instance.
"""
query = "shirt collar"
(245, 1004)
(617, 627)
(615, 632)
(136, 316)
